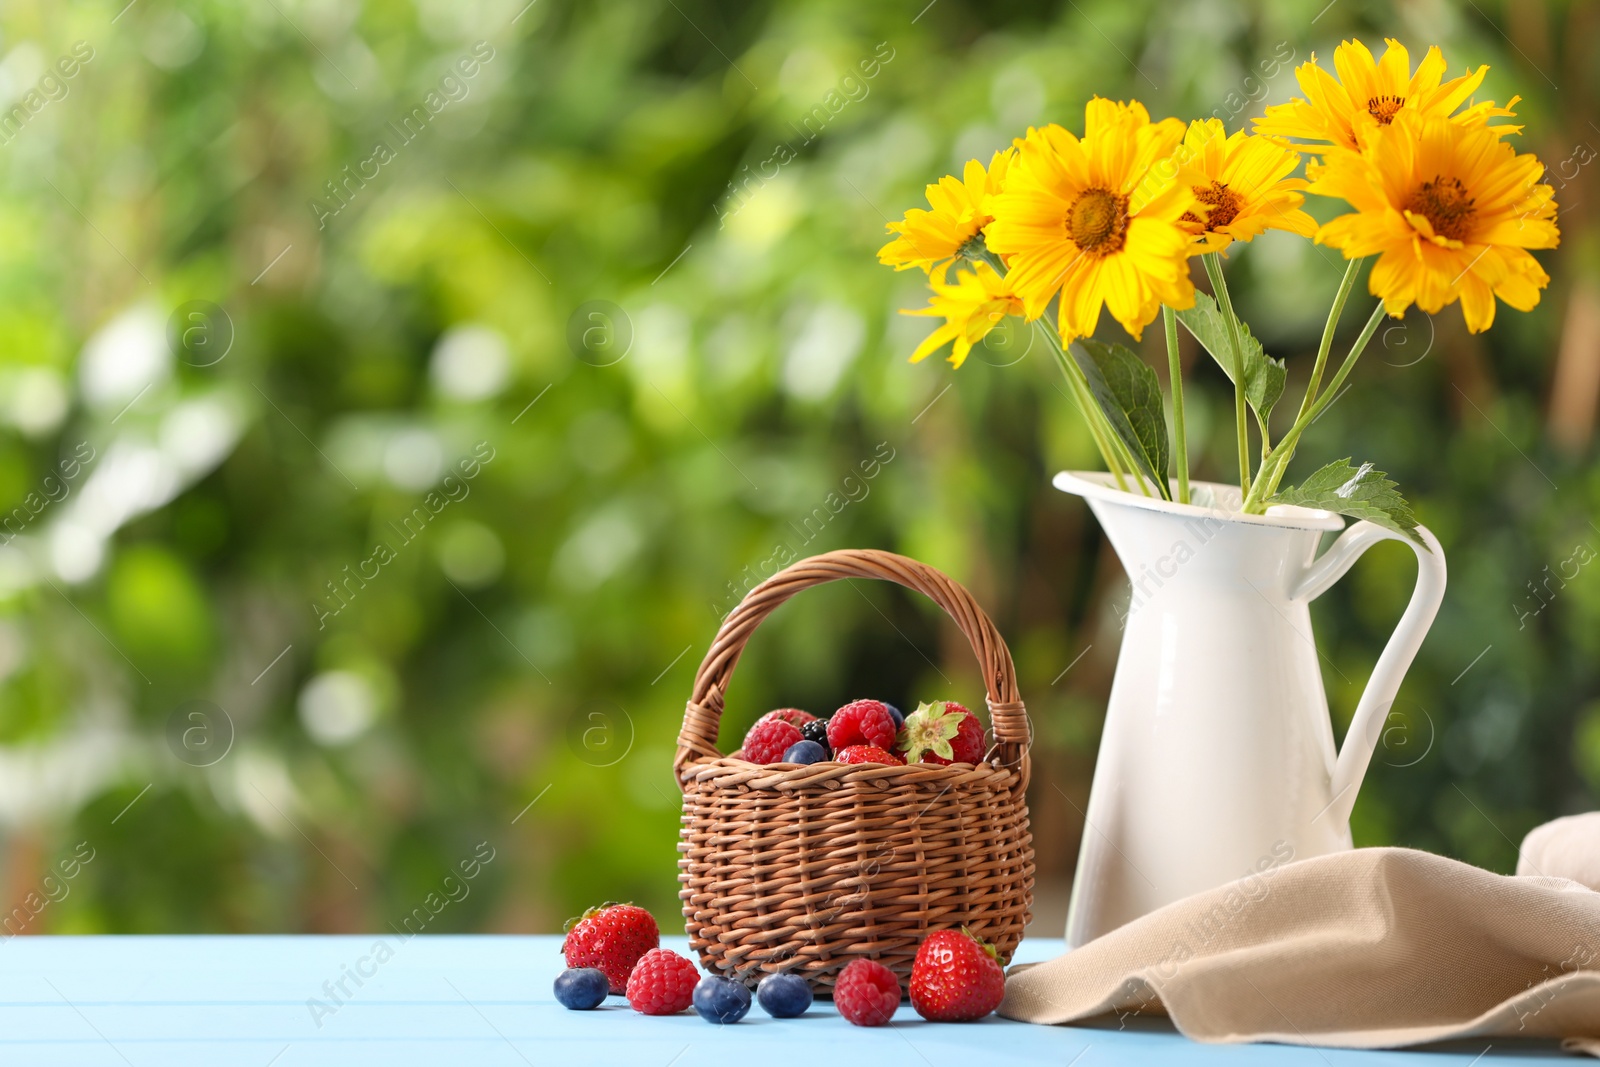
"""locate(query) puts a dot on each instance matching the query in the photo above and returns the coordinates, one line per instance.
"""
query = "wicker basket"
(804, 868)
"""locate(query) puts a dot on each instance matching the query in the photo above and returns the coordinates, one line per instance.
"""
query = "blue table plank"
(307, 1001)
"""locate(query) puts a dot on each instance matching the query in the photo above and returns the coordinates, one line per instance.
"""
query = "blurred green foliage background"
(593, 286)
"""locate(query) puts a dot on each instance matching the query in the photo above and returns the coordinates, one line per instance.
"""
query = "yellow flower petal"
(978, 301)
(1368, 94)
(931, 239)
(1449, 209)
(1093, 220)
(1242, 184)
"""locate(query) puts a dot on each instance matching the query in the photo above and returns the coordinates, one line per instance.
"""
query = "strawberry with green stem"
(611, 939)
(956, 977)
(942, 732)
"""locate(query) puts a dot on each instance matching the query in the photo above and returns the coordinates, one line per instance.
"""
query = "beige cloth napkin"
(1375, 948)
(1568, 847)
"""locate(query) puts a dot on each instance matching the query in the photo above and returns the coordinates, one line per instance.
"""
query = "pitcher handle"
(1366, 726)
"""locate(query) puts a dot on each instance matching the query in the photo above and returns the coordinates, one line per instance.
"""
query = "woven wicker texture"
(802, 869)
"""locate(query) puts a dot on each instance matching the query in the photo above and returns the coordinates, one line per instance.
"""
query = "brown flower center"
(1383, 108)
(1223, 202)
(1447, 207)
(1098, 221)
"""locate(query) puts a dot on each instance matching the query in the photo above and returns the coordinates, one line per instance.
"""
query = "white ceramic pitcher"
(1217, 759)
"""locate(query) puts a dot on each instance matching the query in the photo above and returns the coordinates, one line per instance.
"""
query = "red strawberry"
(866, 993)
(943, 732)
(956, 977)
(611, 938)
(866, 754)
(662, 983)
(793, 716)
(769, 739)
(861, 722)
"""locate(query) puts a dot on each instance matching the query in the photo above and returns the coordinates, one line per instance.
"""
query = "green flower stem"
(1266, 443)
(1345, 287)
(1214, 269)
(1265, 486)
(1175, 374)
(1085, 405)
(1112, 449)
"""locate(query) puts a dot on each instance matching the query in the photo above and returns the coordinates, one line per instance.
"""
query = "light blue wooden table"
(255, 1001)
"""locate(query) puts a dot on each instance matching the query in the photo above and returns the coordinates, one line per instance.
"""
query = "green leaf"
(1263, 376)
(1128, 391)
(1362, 493)
(930, 728)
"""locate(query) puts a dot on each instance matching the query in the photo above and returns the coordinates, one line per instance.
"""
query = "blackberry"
(816, 730)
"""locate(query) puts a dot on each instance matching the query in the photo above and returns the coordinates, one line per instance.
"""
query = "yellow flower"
(973, 306)
(1085, 218)
(1244, 182)
(1450, 210)
(1369, 93)
(931, 239)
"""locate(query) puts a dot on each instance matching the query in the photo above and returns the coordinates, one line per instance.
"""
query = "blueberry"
(816, 730)
(581, 988)
(720, 1001)
(805, 752)
(784, 996)
(897, 715)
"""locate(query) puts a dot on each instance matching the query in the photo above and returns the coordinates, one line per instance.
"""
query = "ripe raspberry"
(867, 993)
(861, 722)
(866, 754)
(956, 977)
(662, 983)
(792, 716)
(611, 938)
(943, 732)
(768, 740)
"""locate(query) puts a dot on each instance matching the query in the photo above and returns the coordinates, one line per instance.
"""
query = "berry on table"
(956, 977)
(943, 732)
(866, 754)
(611, 938)
(805, 752)
(768, 740)
(793, 716)
(861, 722)
(816, 730)
(662, 983)
(784, 996)
(581, 988)
(720, 1001)
(866, 992)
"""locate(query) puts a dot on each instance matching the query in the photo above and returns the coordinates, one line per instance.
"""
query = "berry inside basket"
(802, 868)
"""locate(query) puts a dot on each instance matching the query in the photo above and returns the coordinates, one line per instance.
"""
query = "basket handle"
(703, 715)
